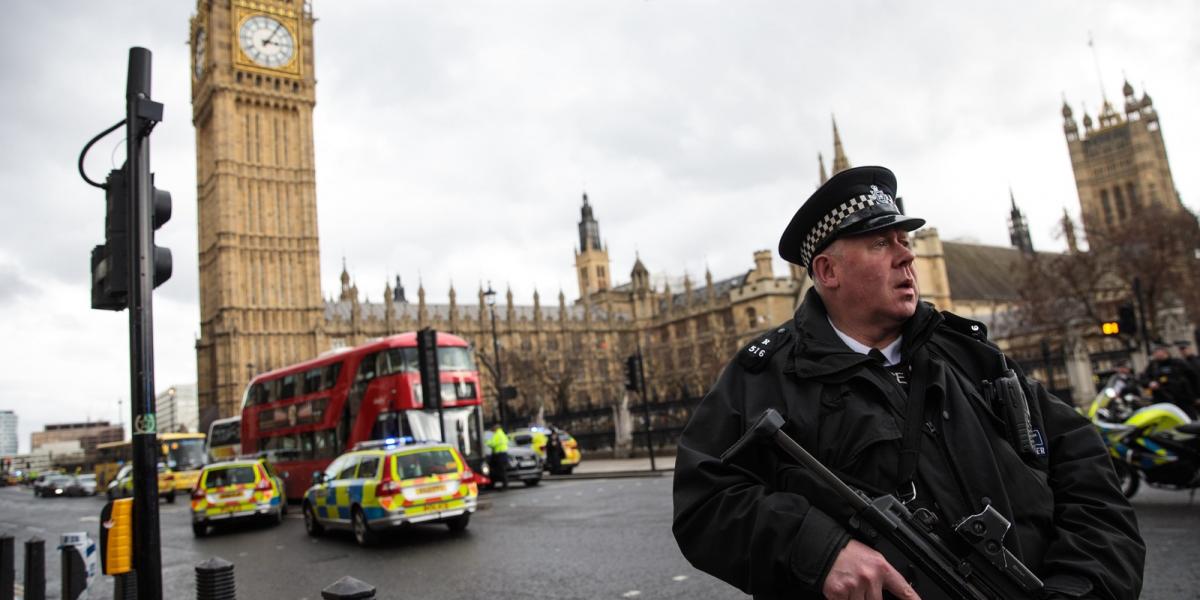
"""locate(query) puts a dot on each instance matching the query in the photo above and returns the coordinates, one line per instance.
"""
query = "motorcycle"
(1157, 443)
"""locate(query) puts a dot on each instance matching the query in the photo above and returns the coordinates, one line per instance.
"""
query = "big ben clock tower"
(252, 101)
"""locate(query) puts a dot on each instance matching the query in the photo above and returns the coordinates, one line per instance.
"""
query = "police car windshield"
(424, 464)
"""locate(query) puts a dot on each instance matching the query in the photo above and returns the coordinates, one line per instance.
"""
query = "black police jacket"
(764, 526)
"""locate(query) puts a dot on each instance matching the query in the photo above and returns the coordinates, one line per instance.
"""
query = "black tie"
(878, 356)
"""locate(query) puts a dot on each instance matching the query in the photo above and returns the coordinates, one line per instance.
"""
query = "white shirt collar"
(891, 352)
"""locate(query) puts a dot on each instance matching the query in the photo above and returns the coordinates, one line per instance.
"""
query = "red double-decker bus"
(305, 415)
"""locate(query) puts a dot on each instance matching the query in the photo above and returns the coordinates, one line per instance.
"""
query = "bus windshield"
(450, 358)
(184, 454)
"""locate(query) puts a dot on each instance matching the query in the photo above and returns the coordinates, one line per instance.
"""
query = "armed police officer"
(893, 397)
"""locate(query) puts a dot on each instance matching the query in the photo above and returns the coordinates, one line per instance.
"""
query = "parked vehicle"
(386, 484)
(537, 438)
(53, 486)
(122, 485)
(82, 485)
(1157, 443)
(237, 490)
(524, 464)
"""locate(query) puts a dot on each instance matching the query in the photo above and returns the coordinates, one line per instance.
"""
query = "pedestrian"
(1171, 380)
(498, 461)
(554, 451)
(863, 358)
(1187, 352)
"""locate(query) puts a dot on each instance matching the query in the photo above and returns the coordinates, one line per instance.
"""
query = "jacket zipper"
(945, 452)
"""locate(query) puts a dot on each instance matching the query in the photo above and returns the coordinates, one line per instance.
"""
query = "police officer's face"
(875, 279)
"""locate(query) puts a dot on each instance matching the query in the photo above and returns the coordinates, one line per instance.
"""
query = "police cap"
(852, 202)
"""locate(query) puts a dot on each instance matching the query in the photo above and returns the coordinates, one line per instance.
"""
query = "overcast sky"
(454, 141)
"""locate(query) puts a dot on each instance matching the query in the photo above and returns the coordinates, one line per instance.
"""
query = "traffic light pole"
(1141, 308)
(141, 116)
(645, 406)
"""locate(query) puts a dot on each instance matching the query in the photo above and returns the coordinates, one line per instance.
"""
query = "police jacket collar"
(820, 353)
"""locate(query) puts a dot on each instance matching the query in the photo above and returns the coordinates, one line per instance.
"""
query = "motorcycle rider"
(1172, 380)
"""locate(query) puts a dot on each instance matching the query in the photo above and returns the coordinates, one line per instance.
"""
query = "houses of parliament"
(261, 305)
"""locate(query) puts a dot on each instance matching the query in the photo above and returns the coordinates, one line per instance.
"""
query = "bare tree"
(1157, 249)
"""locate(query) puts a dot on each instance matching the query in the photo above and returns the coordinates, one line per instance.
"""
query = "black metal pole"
(35, 569)
(8, 572)
(1049, 366)
(1137, 295)
(147, 560)
(645, 406)
(499, 373)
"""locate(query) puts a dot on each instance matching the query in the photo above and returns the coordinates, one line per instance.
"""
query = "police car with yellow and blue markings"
(237, 489)
(388, 483)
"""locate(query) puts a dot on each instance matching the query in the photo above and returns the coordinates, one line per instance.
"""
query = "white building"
(177, 409)
(8, 433)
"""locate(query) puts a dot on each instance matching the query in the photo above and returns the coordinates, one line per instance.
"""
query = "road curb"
(611, 475)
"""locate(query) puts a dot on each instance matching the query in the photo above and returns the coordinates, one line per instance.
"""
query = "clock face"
(199, 48)
(266, 41)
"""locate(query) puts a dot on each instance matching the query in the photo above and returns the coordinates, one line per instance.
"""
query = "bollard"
(348, 588)
(214, 580)
(125, 586)
(73, 567)
(35, 569)
(8, 569)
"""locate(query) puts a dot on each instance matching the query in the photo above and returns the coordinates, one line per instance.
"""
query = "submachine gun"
(906, 538)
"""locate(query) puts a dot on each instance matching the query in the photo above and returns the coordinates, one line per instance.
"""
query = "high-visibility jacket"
(499, 442)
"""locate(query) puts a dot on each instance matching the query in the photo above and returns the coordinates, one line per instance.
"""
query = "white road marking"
(279, 547)
(90, 519)
(241, 554)
(631, 594)
(679, 578)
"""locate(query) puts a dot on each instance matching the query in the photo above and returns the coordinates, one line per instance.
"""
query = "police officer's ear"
(823, 271)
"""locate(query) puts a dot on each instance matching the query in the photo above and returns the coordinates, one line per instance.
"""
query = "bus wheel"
(362, 531)
(311, 525)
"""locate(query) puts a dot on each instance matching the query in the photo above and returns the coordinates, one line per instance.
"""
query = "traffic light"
(1110, 328)
(110, 262)
(427, 366)
(160, 213)
(1127, 319)
(633, 373)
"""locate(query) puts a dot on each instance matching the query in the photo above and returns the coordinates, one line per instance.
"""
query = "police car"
(237, 489)
(122, 485)
(536, 437)
(387, 483)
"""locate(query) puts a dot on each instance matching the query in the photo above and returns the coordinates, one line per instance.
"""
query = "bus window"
(366, 369)
(287, 387)
(329, 379)
(312, 381)
(325, 444)
(271, 391)
(455, 359)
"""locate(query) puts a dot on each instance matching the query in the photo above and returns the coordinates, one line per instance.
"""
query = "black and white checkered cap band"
(834, 218)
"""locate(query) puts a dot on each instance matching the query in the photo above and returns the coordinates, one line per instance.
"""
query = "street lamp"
(490, 297)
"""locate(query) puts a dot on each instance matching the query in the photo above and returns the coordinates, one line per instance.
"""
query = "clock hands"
(271, 37)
